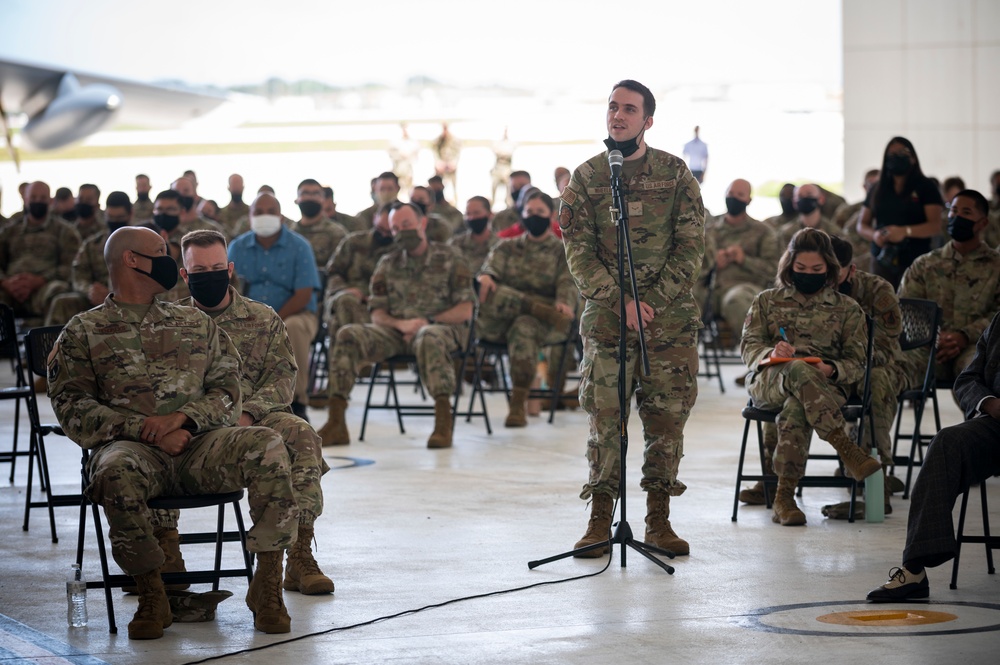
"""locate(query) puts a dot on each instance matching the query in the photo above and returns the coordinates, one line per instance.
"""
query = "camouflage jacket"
(760, 248)
(475, 252)
(324, 236)
(142, 211)
(966, 287)
(878, 300)
(409, 287)
(533, 267)
(268, 365)
(230, 215)
(45, 249)
(786, 232)
(112, 367)
(667, 229)
(827, 324)
(89, 266)
(350, 224)
(352, 265)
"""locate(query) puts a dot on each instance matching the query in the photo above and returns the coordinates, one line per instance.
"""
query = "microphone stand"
(623, 532)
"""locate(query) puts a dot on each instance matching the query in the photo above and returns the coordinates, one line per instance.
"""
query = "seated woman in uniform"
(804, 344)
(527, 298)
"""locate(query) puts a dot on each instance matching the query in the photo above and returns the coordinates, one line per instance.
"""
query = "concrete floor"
(418, 527)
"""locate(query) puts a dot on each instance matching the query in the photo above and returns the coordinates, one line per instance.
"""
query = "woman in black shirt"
(901, 214)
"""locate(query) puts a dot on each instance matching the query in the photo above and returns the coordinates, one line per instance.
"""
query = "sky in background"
(574, 46)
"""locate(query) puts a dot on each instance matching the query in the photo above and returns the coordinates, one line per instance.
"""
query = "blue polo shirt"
(274, 275)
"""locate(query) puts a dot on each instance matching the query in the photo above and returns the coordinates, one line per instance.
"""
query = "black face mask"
(421, 206)
(167, 222)
(808, 282)
(439, 195)
(477, 224)
(142, 197)
(898, 164)
(310, 208)
(380, 239)
(961, 228)
(845, 287)
(237, 197)
(807, 205)
(84, 210)
(787, 206)
(735, 207)
(38, 210)
(114, 226)
(536, 224)
(996, 190)
(514, 193)
(70, 215)
(627, 148)
(209, 288)
(163, 271)
(187, 202)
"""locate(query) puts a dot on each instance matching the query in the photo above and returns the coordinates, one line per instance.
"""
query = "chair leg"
(105, 572)
(368, 399)
(986, 528)
(739, 469)
(247, 558)
(958, 540)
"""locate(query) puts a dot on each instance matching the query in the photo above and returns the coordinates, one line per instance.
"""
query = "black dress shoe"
(901, 587)
(299, 409)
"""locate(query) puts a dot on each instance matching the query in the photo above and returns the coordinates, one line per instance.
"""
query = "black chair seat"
(754, 413)
(195, 501)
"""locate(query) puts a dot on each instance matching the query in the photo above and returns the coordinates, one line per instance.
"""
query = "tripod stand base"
(622, 536)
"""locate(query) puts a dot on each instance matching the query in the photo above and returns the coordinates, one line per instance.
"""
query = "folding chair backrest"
(38, 344)
(8, 333)
(921, 320)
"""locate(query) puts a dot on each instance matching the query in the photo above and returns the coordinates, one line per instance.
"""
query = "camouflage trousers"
(306, 464)
(342, 309)
(302, 328)
(806, 401)
(887, 383)
(37, 304)
(433, 345)
(65, 306)
(733, 304)
(664, 400)
(501, 320)
(125, 474)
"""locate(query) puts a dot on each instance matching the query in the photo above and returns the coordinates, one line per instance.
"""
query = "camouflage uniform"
(351, 266)
(408, 287)
(525, 269)
(786, 232)
(505, 219)
(475, 252)
(367, 216)
(991, 236)
(142, 211)
(180, 290)
(778, 221)
(230, 215)
(452, 215)
(89, 228)
(667, 227)
(828, 325)
(324, 236)
(968, 290)
(737, 285)
(350, 224)
(45, 249)
(114, 366)
(847, 221)
(88, 268)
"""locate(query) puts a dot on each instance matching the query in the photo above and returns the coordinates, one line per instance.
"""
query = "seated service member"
(421, 300)
(152, 389)
(959, 456)
(806, 317)
(527, 296)
(479, 238)
(267, 381)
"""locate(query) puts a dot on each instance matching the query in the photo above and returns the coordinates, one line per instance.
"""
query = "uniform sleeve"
(496, 261)
(69, 245)
(975, 329)
(756, 343)
(72, 387)
(82, 272)
(688, 247)
(888, 324)
(221, 403)
(378, 288)
(972, 386)
(337, 267)
(461, 280)
(854, 341)
(276, 385)
(912, 284)
(566, 292)
(764, 263)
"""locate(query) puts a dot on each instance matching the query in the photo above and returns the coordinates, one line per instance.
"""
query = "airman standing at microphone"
(667, 229)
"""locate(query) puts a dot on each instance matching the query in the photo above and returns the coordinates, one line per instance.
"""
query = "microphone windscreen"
(615, 158)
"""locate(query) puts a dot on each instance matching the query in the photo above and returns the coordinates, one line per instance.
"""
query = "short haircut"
(954, 182)
(191, 173)
(843, 250)
(995, 175)
(142, 175)
(482, 200)
(119, 200)
(328, 193)
(520, 174)
(648, 101)
(202, 238)
(308, 181)
(412, 206)
(95, 188)
(871, 173)
(388, 175)
(808, 240)
(980, 202)
(168, 195)
(426, 190)
(539, 194)
(63, 194)
(265, 188)
(435, 180)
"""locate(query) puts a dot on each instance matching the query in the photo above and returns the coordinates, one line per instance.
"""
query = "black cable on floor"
(415, 611)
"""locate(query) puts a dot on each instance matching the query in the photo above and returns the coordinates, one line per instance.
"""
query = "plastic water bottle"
(76, 598)
(875, 495)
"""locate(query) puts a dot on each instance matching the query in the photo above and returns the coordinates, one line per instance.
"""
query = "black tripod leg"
(641, 548)
(589, 548)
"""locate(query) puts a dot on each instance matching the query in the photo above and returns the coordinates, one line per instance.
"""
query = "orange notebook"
(767, 362)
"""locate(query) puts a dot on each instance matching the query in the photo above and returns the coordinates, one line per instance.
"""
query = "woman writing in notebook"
(805, 346)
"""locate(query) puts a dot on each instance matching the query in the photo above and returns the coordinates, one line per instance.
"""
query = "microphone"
(615, 160)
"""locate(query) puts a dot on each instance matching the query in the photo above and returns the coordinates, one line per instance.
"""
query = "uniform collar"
(116, 313)
(826, 296)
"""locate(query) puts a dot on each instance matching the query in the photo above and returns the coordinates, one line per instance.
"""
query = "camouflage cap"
(191, 607)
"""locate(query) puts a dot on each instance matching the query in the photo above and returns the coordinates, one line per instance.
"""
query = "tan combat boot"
(173, 560)
(334, 432)
(302, 573)
(786, 512)
(441, 436)
(154, 612)
(598, 527)
(659, 533)
(754, 496)
(517, 417)
(548, 314)
(264, 595)
(858, 465)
